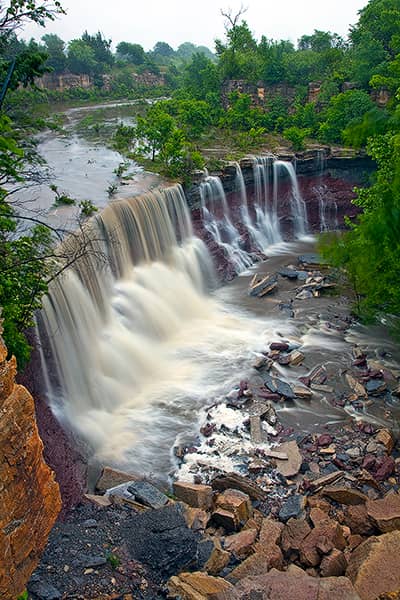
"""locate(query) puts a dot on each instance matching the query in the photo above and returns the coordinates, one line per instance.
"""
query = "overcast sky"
(198, 21)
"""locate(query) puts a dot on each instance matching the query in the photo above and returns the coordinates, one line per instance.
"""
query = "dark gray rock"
(288, 273)
(204, 551)
(375, 386)
(43, 590)
(161, 540)
(91, 561)
(292, 508)
(277, 386)
(311, 259)
(90, 523)
(147, 494)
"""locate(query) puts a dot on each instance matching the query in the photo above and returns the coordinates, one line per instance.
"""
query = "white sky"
(198, 21)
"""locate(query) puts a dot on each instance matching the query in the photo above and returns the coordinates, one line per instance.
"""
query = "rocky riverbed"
(289, 490)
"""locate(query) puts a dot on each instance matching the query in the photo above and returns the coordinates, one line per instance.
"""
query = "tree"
(19, 12)
(55, 48)
(154, 130)
(132, 53)
(344, 110)
(238, 55)
(81, 57)
(321, 41)
(201, 77)
(101, 49)
(379, 21)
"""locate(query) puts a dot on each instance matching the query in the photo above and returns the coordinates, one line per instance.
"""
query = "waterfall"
(219, 225)
(142, 275)
(266, 215)
(328, 211)
(297, 204)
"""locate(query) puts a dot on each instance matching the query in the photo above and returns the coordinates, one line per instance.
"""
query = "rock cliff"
(29, 496)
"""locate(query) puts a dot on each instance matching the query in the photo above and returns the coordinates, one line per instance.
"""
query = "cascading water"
(219, 224)
(297, 204)
(134, 337)
(328, 211)
(266, 215)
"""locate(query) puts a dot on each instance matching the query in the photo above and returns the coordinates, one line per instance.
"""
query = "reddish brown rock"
(318, 517)
(384, 468)
(320, 541)
(196, 518)
(196, 495)
(29, 496)
(374, 566)
(385, 513)
(334, 564)
(344, 495)
(385, 437)
(234, 503)
(294, 584)
(241, 544)
(218, 560)
(267, 553)
(356, 517)
(270, 532)
(293, 534)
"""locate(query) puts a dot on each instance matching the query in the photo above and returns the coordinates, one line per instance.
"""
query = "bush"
(296, 136)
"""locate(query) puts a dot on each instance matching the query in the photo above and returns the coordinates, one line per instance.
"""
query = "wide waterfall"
(134, 332)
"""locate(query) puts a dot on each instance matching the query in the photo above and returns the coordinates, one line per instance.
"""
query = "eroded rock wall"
(29, 495)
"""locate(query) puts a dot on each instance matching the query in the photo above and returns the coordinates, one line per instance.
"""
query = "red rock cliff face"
(29, 496)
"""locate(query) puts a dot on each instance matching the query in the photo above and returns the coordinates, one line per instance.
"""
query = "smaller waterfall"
(266, 215)
(217, 221)
(328, 212)
(297, 204)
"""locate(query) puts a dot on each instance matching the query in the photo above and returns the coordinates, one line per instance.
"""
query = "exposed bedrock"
(29, 495)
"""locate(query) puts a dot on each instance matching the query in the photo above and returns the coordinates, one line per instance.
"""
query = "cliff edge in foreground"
(29, 496)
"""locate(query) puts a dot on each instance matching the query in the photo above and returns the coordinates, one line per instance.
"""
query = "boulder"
(291, 466)
(111, 478)
(218, 559)
(374, 566)
(345, 495)
(161, 539)
(238, 482)
(241, 544)
(102, 501)
(294, 584)
(320, 541)
(147, 494)
(356, 517)
(267, 553)
(195, 495)
(197, 586)
(385, 513)
(334, 564)
(292, 508)
(385, 437)
(237, 502)
(196, 518)
(356, 386)
(293, 534)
